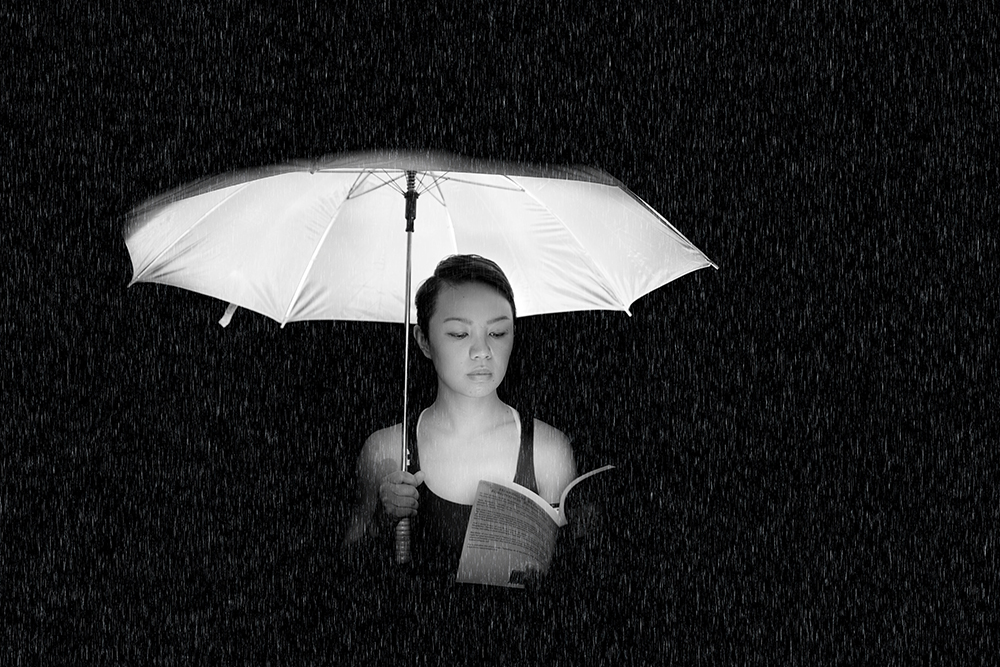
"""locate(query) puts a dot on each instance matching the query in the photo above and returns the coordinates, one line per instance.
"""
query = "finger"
(394, 477)
(405, 502)
(398, 490)
(400, 509)
(411, 479)
(407, 499)
(403, 477)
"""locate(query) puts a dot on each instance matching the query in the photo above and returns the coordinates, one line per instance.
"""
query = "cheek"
(505, 350)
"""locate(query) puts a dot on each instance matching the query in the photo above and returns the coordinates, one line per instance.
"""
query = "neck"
(461, 413)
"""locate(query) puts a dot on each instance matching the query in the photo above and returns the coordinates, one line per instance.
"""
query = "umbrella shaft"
(404, 457)
(403, 527)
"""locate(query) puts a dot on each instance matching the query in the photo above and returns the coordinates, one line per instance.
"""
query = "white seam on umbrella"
(312, 260)
(670, 226)
(600, 269)
(187, 231)
(451, 221)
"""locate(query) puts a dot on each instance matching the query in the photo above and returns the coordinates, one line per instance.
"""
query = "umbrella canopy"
(321, 240)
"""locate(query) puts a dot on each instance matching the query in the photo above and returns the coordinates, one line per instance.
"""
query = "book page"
(508, 537)
(569, 487)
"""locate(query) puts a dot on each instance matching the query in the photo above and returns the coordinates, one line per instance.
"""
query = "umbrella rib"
(480, 184)
(308, 269)
(608, 285)
(152, 263)
(435, 187)
(668, 225)
(390, 180)
(362, 176)
(435, 179)
(358, 180)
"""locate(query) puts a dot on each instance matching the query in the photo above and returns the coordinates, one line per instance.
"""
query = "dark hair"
(460, 270)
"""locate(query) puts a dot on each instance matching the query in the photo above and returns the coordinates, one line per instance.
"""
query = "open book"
(512, 533)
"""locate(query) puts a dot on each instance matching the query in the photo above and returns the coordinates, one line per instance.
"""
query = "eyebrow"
(467, 321)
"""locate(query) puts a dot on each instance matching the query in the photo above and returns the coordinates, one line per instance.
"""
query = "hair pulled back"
(460, 270)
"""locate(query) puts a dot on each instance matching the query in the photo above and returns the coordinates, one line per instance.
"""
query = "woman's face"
(470, 337)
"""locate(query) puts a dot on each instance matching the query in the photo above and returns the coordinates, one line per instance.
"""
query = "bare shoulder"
(555, 465)
(382, 449)
(383, 439)
(550, 440)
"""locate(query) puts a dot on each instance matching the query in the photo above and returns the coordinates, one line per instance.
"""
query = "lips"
(480, 372)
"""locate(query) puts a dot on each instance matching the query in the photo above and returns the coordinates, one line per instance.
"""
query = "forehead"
(471, 301)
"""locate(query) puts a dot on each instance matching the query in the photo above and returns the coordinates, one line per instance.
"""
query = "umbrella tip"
(228, 315)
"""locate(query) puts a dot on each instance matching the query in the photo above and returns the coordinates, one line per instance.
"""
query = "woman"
(465, 326)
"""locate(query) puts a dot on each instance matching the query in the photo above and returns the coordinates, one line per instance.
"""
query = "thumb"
(418, 478)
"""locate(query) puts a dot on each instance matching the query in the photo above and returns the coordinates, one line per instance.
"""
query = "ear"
(422, 341)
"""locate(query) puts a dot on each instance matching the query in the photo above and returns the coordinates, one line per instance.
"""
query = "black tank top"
(439, 527)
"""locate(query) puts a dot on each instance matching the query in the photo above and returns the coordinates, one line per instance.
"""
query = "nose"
(480, 348)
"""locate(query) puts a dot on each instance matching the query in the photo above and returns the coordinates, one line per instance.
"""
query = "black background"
(803, 436)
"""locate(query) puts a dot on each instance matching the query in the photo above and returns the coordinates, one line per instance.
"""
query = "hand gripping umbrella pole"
(403, 526)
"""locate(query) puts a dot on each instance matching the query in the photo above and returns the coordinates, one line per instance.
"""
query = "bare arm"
(381, 482)
(374, 462)
(555, 466)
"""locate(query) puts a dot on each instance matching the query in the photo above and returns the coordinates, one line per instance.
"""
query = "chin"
(480, 390)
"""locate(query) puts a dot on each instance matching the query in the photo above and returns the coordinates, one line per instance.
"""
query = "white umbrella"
(321, 240)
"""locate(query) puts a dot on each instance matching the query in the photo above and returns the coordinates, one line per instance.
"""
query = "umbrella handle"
(403, 541)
